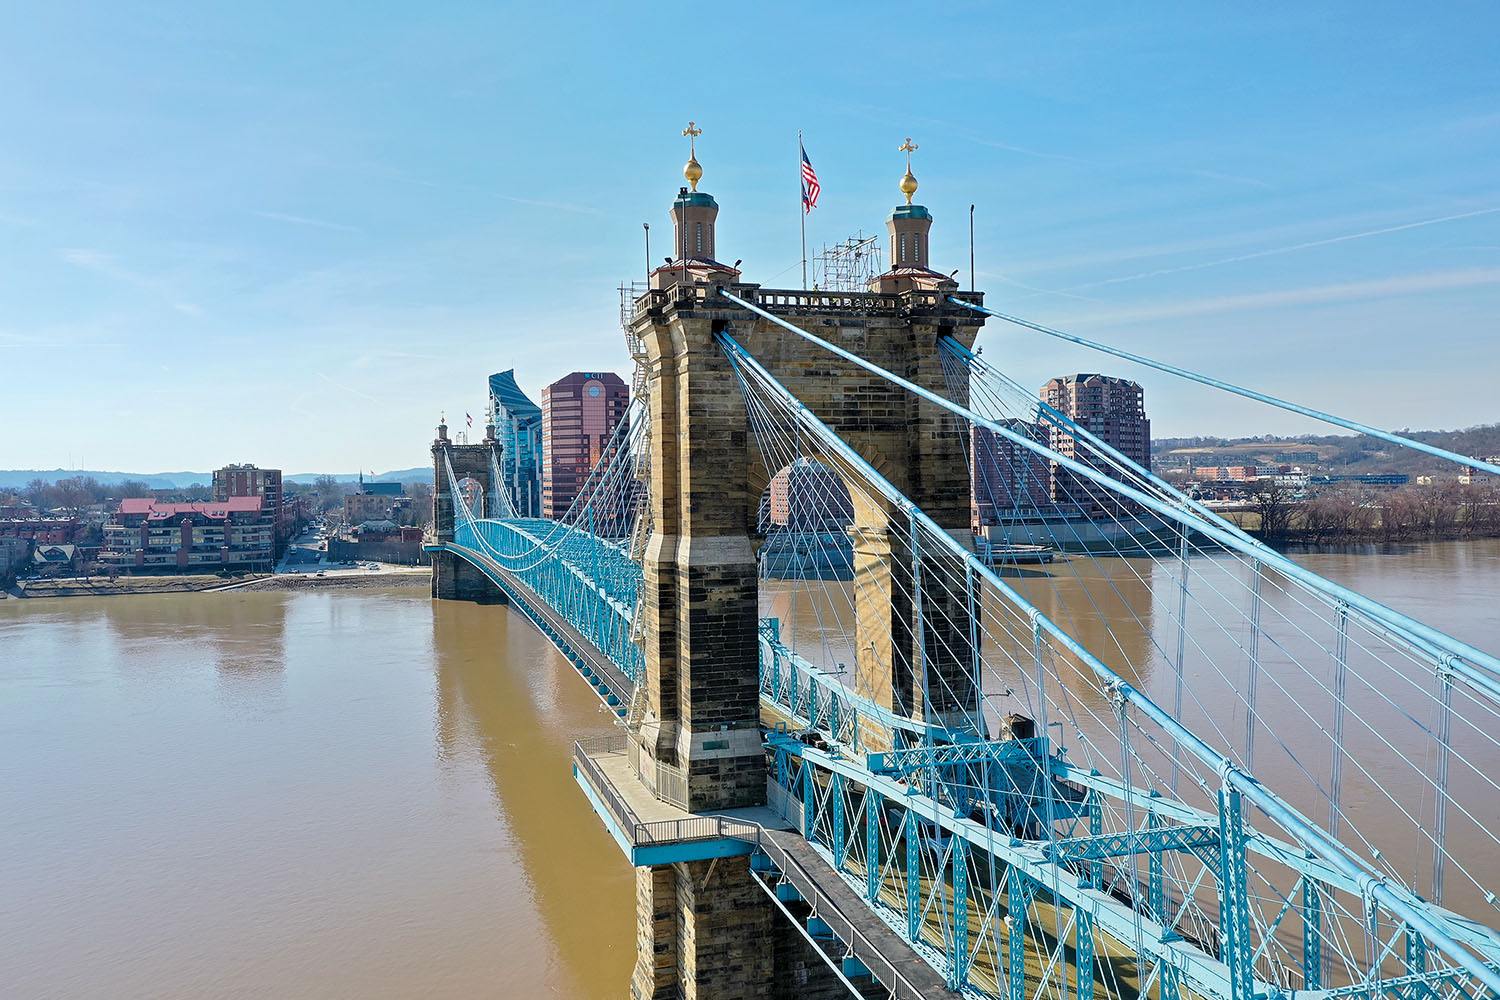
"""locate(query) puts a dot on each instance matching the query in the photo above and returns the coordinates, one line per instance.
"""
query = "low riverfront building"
(235, 533)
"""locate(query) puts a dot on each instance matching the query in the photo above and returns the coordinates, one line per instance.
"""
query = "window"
(699, 228)
(903, 248)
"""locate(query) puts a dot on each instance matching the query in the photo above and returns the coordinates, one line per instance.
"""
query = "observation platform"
(852, 938)
(651, 831)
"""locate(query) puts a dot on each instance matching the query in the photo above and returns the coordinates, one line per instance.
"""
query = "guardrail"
(822, 904)
(666, 782)
(699, 828)
(823, 907)
(667, 831)
(538, 609)
(688, 294)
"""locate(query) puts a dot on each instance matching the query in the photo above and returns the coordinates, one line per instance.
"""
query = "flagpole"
(802, 207)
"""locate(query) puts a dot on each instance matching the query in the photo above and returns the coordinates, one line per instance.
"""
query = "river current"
(363, 793)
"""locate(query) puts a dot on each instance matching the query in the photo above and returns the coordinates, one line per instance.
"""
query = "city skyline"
(326, 228)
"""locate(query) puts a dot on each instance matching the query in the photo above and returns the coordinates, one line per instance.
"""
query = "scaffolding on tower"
(850, 265)
(630, 294)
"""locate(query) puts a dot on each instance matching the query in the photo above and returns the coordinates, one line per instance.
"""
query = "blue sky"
(292, 233)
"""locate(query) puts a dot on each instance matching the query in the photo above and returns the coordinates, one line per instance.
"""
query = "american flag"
(810, 185)
(469, 420)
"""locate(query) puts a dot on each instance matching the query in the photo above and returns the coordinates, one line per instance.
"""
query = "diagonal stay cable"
(1260, 397)
(1479, 668)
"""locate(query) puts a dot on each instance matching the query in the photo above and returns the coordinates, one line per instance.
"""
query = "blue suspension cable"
(1306, 411)
(1395, 898)
(1476, 666)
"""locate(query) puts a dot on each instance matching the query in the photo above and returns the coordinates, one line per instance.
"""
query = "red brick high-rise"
(579, 415)
(1113, 410)
(248, 481)
(1007, 478)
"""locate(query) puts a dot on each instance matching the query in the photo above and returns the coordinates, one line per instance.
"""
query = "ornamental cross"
(907, 147)
(693, 134)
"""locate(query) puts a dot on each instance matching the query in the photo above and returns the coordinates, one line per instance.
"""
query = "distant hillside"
(1342, 453)
(18, 478)
(420, 474)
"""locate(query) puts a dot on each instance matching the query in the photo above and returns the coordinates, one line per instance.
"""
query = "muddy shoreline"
(100, 587)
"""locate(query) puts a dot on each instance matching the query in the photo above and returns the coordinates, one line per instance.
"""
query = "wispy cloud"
(93, 260)
(1007, 280)
(1353, 291)
(104, 263)
(376, 357)
(1125, 160)
(1214, 175)
(346, 388)
(1023, 151)
(303, 220)
(561, 206)
(1293, 248)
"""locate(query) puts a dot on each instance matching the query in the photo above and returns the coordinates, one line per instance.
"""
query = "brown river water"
(354, 794)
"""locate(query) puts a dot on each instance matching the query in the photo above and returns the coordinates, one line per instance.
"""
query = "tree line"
(1352, 512)
(77, 492)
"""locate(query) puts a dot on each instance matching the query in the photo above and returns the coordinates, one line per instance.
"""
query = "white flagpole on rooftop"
(802, 205)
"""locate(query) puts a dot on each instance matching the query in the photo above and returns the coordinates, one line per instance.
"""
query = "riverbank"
(101, 586)
(351, 581)
(104, 587)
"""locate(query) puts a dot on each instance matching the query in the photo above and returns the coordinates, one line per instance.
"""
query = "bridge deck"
(586, 653)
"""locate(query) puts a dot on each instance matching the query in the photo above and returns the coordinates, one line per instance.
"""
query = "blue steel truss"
(589, 581)
(965, 846)
(905, 824)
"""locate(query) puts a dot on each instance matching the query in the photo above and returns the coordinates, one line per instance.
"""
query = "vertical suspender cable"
(1250, 710)
(1340, 688)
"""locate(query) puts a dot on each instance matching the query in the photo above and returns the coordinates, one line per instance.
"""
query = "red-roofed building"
(233, 533)
(40, 529)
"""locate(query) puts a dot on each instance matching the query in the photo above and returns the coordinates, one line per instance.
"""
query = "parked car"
(812, 738)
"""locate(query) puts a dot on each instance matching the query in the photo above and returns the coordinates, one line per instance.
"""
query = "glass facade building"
(518, 425)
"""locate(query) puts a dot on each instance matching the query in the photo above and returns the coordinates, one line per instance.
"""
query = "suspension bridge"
(1171, 762)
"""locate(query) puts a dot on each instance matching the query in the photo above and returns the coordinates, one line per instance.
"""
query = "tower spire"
(908, 182)
(909, 226)
(692, 170)
(694, 214)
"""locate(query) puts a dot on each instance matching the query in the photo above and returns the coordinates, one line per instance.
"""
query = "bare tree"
(1274, 504)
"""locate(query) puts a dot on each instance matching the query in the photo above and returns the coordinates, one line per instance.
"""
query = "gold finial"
(908, 182)
(693, 170)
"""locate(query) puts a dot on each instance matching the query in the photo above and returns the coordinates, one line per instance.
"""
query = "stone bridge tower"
(454, 578)
(702, 701)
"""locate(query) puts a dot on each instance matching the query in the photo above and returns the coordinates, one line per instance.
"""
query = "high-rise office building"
(579, 415)
(518, 425)
(1113, 410)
